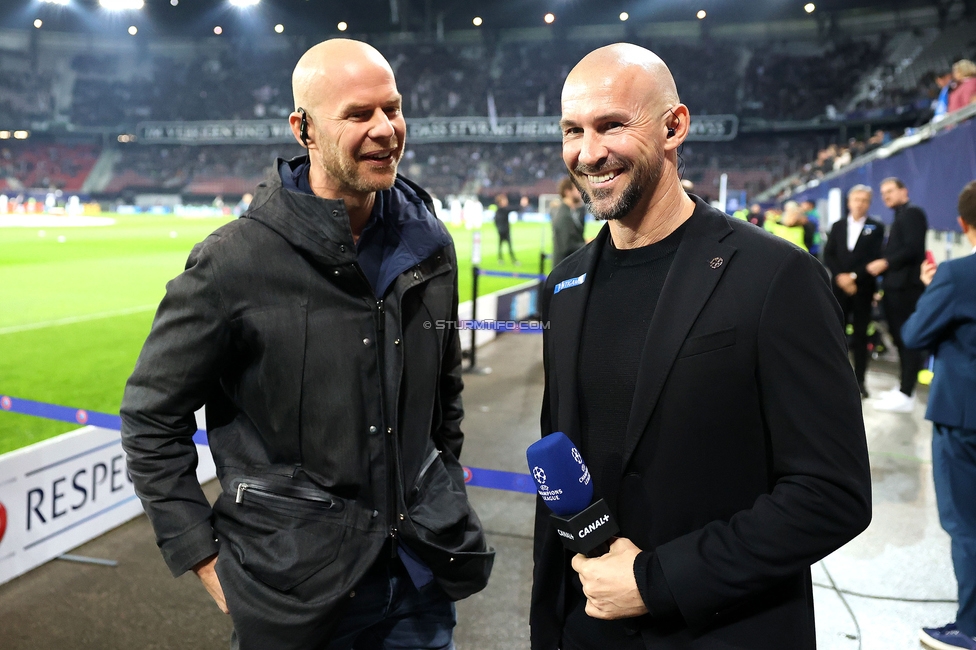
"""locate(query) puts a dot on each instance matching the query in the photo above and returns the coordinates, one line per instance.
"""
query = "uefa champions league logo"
(539, 475)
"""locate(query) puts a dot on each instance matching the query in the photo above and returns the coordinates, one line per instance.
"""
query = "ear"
(679, 121)
(963, 226)
(295, 122)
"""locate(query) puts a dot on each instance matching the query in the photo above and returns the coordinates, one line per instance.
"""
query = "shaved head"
(348, 103)
(620, 123)
(643, 71)
(326, 67)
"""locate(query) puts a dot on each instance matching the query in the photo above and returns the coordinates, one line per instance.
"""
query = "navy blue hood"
(402, 230)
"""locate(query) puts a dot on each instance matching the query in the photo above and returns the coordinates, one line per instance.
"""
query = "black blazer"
(867, 249)
(905, 250)
(744, 459)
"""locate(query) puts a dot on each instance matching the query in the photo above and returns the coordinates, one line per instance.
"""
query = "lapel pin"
(716, 262)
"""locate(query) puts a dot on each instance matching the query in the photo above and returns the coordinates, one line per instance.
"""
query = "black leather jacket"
(333, 415)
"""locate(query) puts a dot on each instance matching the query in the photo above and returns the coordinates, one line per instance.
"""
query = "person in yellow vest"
(790, 226)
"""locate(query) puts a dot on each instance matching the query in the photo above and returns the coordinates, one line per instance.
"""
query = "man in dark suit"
(853, 243)
(700, 366)
(945, 320)
(901, 264)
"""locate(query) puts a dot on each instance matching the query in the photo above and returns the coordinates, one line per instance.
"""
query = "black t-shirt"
(626, 287)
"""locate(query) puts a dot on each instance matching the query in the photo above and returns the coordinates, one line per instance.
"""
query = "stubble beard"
(645, 176)
(343, 170)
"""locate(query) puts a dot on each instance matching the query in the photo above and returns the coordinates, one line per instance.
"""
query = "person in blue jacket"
(945, 321)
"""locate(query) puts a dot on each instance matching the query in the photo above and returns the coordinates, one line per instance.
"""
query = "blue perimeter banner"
(935, 171)
(487, 478)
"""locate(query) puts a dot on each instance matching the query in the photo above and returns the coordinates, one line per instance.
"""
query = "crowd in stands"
(951, 91)
(783, 85)
(509, 78)
(46, 165)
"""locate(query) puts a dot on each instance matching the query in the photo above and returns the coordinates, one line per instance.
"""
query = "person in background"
(568, 222)
(243, 204)
(811, 226)
(503, 226)
(903, 256)
(851, 245)
(790, 225)
(964, 94)
(945, 320)
(940, 105)
(756, 216)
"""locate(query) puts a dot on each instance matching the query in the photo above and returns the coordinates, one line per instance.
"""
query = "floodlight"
(549, 18)
(56, 2)
(133, 30)
(342, 26)
(4, 135)
(218, 30)
(477, 21)
(624, 15)
(244, 3)
(121, 5)
(38, 23)
(21, 135)
(174, 2)
(279, 28)
(701, 14)
(809, 7)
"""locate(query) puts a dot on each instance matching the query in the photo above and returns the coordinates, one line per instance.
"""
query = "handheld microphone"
(563, 481)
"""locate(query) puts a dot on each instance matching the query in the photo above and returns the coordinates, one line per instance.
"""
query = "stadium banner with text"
(419, 130)
(62, 492)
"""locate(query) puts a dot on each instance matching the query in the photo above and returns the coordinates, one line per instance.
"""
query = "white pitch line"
(75, 319)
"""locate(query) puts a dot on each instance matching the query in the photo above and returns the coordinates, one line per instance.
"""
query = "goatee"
(645, 175)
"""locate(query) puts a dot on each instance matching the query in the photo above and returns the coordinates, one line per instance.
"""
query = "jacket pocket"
(282, 534)
(707, 343)
(438, 504)
(443, 529)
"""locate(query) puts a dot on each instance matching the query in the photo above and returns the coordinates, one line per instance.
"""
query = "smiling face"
(356, 126)
(615, 117)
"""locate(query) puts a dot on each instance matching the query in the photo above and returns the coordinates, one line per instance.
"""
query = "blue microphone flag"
(561, 477)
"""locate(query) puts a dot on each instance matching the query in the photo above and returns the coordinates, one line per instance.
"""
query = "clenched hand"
(609, 584)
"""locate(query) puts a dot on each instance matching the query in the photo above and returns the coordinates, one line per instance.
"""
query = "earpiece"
(672, 130)
(303, 129)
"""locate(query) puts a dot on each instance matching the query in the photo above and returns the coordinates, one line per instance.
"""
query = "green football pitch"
(77, 304)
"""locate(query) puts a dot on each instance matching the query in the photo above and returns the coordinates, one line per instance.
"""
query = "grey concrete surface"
(902, 558)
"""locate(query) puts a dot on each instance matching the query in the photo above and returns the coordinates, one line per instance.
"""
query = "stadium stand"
(46, 165)
(874, 76)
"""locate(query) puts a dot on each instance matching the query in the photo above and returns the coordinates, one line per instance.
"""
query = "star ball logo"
(539, 475)
(577, 457)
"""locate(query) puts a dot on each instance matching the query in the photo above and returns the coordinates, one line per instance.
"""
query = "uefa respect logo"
(3, 521)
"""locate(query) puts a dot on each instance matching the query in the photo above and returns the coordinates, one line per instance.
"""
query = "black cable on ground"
(895, 599)
(840, 594)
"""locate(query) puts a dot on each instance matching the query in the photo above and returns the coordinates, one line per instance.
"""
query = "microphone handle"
(602, 549)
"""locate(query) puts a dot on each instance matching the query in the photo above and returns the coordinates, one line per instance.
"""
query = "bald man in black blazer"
(699, 364)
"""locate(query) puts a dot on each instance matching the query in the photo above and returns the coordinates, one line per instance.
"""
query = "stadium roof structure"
(318, 17)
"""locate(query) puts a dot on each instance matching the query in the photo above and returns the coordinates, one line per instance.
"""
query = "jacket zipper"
(427, 465)
(243, 487)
